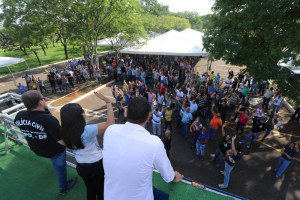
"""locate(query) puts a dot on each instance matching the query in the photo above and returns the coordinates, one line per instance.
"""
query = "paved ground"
(253, 177)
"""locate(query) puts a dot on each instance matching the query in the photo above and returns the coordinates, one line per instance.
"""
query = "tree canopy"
(257, 34)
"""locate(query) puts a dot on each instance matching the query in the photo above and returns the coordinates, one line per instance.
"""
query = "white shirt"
(156, 118)
(160, 98)
(193, 107)
(227, 83)
(179, 94)
(130, 153)
(277, 100)
(91, 152)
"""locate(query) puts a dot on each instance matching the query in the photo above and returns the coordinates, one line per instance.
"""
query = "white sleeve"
(162, 163)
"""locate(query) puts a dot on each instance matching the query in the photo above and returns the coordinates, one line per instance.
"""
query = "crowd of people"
(167, 96)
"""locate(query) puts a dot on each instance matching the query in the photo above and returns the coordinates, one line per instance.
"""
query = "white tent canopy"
(7, 61)
(185, 43)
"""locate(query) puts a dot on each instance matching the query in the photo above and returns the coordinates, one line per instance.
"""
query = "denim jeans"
(42, 88)
(60, 166)
(275, 109)
(266, 103)
(156, 127)
(185, 127)
(213, 131)
(282, 165)
(227, 89)
(150, 103)
(253, 87)
(227, 171)
(268, 132)
(144, 81)
(217, 154)
(200, 148)
(61, 88)
(247, 138)
(158, 106)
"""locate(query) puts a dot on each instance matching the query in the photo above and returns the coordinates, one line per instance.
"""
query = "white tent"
(7, 61)
(185, 43)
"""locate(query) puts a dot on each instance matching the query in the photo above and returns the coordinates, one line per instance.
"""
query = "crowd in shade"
(162, 97)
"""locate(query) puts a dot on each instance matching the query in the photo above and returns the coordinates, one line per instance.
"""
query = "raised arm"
(233, 145)
(223, 129)
(110, 114)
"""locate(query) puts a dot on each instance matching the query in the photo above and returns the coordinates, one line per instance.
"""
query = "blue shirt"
(127, 98)
(212, 89)
(91, 152)
(22, 89)
(202, 137)
(186, 117)
(217, 79)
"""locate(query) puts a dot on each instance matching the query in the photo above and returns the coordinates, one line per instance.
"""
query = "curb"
(79, 98)
(104, 52)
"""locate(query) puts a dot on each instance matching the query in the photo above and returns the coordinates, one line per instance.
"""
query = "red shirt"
(162, 90)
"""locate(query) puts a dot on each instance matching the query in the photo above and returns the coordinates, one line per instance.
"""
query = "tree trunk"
(46, 44)
(96, 53)
(66, 51)
(24, 50)
(43, 47)
(37, 57)
(53, 43)
(82, 47)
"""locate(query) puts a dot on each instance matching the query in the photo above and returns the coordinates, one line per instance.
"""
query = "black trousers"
(296, 113)
(93, 177)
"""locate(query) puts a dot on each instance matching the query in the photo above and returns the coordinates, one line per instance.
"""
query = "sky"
(202, 7)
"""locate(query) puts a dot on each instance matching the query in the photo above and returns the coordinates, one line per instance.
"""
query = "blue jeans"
(213, 131)
(266, 103)
(159, 195)
(200, 147)
(227, 89)
(282, 165)
(248, 136)
(275, 109)
(60, 166)
(185, 127)
(144, 81)
(253, 87)
(158, 106)
(150, 103)
(217, 154)
(227, 171)
(268, 132)
(61, 88)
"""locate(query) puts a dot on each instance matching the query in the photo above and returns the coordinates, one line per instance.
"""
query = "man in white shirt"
(130, 153)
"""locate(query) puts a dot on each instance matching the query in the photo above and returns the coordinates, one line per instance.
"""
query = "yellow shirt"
(212, 76)
(169, 115)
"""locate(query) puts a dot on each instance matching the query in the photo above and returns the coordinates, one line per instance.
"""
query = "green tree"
(152, 7)
(257, 34)
(206, 20)
(166, 23)
(193, 17)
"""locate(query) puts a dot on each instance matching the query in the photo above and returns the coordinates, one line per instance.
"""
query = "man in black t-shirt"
(223, 147)
(259, 126)
(42, 132)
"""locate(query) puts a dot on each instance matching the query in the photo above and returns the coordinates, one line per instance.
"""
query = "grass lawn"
(54, 54)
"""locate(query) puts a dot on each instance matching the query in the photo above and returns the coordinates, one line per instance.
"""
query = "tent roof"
(7, 61)
(185, 43)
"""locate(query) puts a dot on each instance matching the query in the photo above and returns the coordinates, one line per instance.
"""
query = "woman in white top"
(82, 139)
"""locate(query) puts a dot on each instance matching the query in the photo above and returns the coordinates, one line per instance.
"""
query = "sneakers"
(222, 172)
(71, 184)
(222, 186)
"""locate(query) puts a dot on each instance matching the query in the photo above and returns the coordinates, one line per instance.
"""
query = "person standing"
(259, 126)
(267, 97)
(42, 133)
(27, 80)
(185, 120)
(168, 118)
(233, 155)
(222, 149)
(288, 153)
(156, 121)
(214, 124)
(201, 142)
(129, 148)
(82, 139)
(41, 85)
(167, 142)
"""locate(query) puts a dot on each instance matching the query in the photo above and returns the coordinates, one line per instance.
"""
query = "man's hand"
(177, 177)
(102, 97)
(224, 125)
(233, 138)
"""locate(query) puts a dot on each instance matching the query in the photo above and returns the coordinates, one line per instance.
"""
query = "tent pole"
(12, 75)
(28, 68)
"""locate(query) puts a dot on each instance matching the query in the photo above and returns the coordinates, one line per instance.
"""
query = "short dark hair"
(72, 125)
(31, 99)
(138, 110)
(239, 148)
